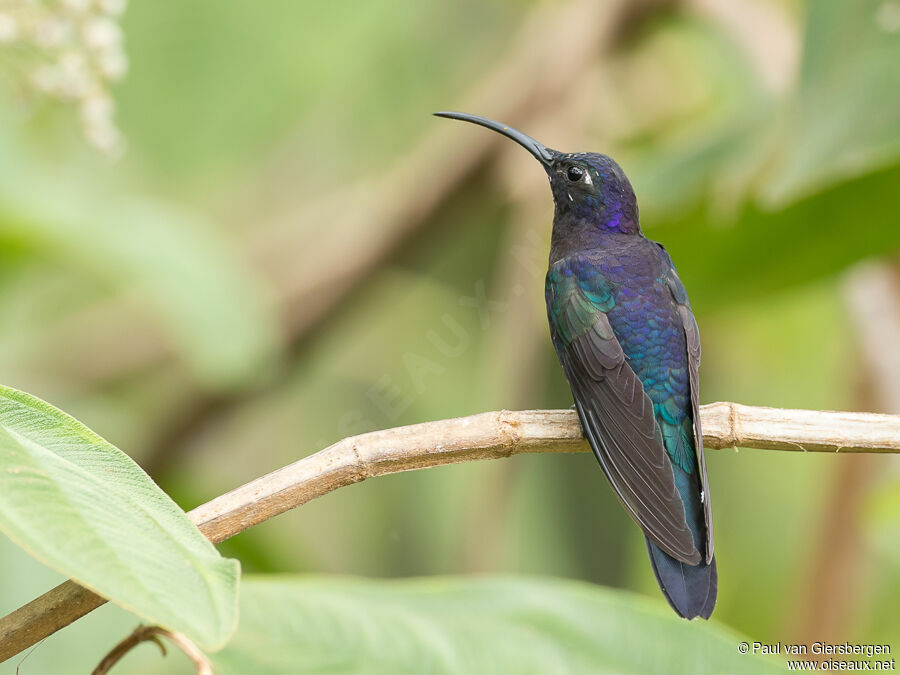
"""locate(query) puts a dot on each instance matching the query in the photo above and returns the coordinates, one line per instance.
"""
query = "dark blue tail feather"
(690, 589)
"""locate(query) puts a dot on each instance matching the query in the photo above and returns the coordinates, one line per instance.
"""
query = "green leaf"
(87, 510)
(844, 118)
(768, 251)
(483, 625)
(792, 189)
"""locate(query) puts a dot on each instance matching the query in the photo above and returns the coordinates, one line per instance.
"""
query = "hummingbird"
(629, 346)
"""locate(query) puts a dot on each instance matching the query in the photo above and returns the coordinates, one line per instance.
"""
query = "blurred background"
(232, 234)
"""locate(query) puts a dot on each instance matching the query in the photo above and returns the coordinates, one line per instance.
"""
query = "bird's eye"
(574, 173)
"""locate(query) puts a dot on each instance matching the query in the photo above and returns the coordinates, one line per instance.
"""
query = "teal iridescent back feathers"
(626, 337)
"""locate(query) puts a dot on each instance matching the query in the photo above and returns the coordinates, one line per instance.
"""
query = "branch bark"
(201, 664)
(490, 435)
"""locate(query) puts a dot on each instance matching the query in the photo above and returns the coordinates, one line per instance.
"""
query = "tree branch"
(490, 435)
(202, 666)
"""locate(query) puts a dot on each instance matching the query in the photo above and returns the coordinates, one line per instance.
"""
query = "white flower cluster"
(69, 50)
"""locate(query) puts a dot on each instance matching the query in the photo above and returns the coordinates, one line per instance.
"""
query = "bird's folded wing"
(615, 411)
(692, 340)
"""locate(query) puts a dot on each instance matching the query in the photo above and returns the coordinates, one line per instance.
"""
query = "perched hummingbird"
(628, 343)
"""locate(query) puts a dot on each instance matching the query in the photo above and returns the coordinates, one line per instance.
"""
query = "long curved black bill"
(543, 154)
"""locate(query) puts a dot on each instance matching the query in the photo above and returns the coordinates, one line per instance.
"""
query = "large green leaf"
(844, 117)
(768, 251)
(483, 625)
(86, 509)
(786, 190)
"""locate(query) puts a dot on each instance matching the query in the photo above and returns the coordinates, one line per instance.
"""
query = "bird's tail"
(690, 589)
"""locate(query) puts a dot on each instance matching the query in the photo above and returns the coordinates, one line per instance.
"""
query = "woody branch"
(489, 435)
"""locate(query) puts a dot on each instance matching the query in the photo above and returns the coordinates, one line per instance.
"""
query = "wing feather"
(617, 416)
(692, 336)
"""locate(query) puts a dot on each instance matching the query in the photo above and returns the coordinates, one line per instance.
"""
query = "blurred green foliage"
(465, 626)
(131, 290)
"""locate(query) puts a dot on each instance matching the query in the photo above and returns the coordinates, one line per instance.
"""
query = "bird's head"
(590, 191)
